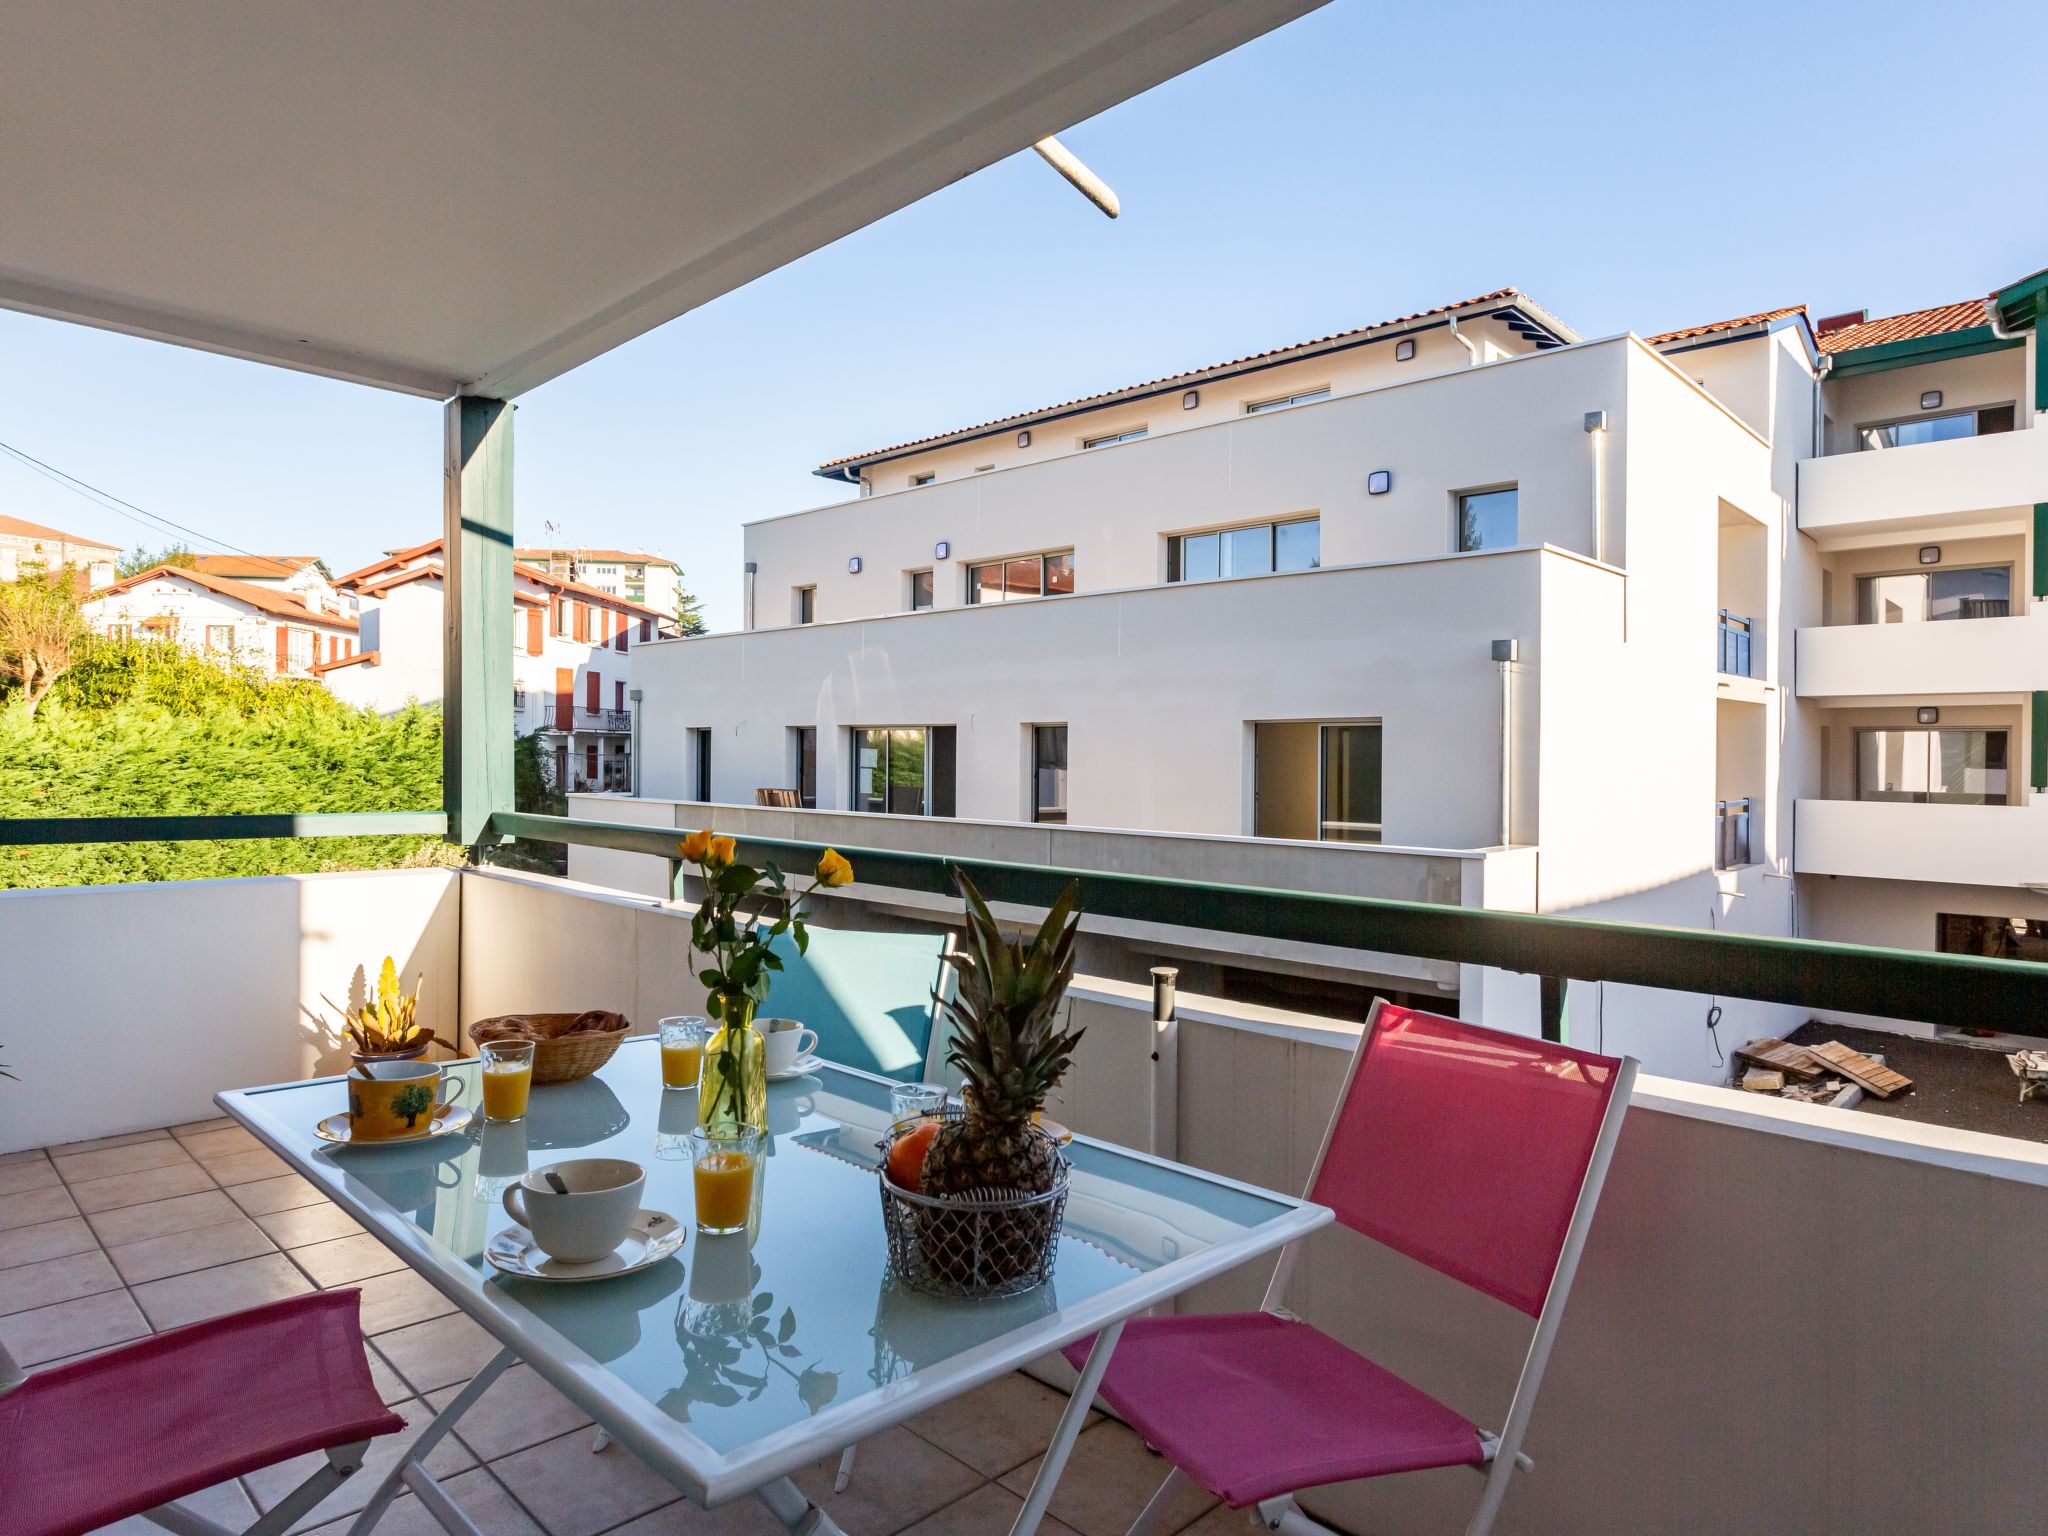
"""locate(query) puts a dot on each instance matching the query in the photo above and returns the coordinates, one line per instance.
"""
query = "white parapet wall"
(129, 1006)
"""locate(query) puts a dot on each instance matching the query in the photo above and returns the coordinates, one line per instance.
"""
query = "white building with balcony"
(251, 624)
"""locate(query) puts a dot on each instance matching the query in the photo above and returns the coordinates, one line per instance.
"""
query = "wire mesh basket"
(983, 1243)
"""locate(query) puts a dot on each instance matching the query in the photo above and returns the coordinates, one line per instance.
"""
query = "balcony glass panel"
(1918, 597)
(1958, 767)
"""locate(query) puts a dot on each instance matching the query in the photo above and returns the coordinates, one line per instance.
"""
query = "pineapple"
(1010, 1050)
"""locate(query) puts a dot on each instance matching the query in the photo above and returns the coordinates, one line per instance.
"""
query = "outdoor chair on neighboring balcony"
(133, 1430)
(1477, 1153)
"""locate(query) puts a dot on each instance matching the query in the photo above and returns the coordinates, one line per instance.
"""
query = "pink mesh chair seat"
(1253, 1405)
(86, 1444)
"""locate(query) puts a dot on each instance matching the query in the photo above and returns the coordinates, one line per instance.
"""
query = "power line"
(108, 501)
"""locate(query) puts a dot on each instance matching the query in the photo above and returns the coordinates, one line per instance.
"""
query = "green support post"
(1552, 1007)
(476, 725)
(2039, 777)
(2041, 549)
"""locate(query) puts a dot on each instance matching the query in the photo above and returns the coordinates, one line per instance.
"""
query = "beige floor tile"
(438, 1353)
(397, 1299)
(247, 1167)
(25, 1155)
(224, 1503)
(517, 1410)
(100, 1143)
(182, 1299)
(1110, 1477)
(135, 1157)
(575, 1493)
(988, 1510)
(177, 1253)
(210, 1147)
(299, 1225)
(201, 1127)
(479, 1495)
(47, 1240)
(71, 1327)
(22, 1177)
(27, 1286)
(996, 1427)
(900, 1480)
(280, 1194)
(186, 1178)
(32, 1207)
(744, 1516)
(345, 1260)
(272, 1483)
(181, 1213)
(1221, 1521)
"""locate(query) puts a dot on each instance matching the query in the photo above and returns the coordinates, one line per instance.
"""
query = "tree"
(689, 610)
(138, 560)
(41, 632)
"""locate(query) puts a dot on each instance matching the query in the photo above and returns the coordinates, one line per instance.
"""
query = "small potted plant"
(386, 1027)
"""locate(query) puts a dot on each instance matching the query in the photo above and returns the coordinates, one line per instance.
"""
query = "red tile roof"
(244, 567)
(1690, 331)
(1937, 321)
(282, 605)
(363, 581)
(22, 528)
(1267, 359)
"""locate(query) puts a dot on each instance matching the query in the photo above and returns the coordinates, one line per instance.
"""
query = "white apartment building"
(1578, 623)
(652, 580)
(255, 625)
(573, 650)
(26, 546)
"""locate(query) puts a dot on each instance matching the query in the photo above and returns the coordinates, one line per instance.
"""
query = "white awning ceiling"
(478, 195)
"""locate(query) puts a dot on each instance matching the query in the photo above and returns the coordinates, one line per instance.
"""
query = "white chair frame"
(1502, 1451)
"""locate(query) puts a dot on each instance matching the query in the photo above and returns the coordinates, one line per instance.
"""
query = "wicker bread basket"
(566, 1046)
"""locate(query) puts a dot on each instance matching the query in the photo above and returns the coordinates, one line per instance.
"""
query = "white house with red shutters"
(572, 658)
(258, 625)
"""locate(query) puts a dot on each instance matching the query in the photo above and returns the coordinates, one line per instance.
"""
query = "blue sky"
(1632, 167)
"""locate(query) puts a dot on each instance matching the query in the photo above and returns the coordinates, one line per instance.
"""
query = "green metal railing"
(1961, 990)
(49, 831)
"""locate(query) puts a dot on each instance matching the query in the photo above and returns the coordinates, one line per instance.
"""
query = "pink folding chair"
(133, 1430)
(1478, 1153)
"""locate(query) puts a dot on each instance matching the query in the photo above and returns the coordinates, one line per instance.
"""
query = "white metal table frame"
(708, 1477)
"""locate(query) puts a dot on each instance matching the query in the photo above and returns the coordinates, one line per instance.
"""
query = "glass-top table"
(744, 1357)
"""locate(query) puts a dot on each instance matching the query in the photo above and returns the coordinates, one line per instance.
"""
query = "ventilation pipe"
(1471, 347)
(1083, 180)
(1505, 654)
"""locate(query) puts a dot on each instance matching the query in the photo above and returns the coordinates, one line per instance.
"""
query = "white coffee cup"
(787, 1041)
(588, 1222)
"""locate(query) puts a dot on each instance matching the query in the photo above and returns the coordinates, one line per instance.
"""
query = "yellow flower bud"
(721, 851)
(833, 869)
(696, 846)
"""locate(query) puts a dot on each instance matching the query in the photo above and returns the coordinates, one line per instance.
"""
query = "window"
(803, 751)
(1254, 551)
(561, 616)
(924, 479)
(220, 638)
(1305, 397)
(1005, 581)
(1350, 784)
(1915, 597)
(806, 602)
(302, 650)
(904, 770)
(700, 763)
(1111, 439)
(1938, 429)
(1316, 780)
(119, 631)
(1486, 519)
(920, 590)
(1998, 938)
(1049, 773)
(518, 701)
(1959, 767)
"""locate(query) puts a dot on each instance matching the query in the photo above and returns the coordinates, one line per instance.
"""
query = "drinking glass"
(508, 1078)
(913, 1101)
(726, 1159)
(682, 1049)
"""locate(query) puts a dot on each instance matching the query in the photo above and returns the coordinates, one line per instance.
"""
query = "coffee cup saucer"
(803, 1066)
(447, 1119)
(652, 1237)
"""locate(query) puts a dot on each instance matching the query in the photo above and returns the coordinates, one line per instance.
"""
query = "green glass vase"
(734, 1086)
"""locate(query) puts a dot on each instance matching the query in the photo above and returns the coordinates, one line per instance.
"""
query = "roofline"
(1749, 330)
(46, 531)
(1502, 301)
(1941, 347)
(358, 582)
(259, 598)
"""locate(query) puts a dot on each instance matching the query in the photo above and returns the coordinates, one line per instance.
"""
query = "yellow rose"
(721, 851)
(833, 869)
(696, 846)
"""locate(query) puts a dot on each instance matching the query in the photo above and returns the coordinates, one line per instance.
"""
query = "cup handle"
(806, 1042)
(451, 1087)
(516, 1209)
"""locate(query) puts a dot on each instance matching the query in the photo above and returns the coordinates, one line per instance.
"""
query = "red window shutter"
(334, 647)
(619, 694)
(533, 635)
(590, 762)
(583, 622)
(284, 649)
(592, 692)
(565, 697)
(646, 629)
(619, 640)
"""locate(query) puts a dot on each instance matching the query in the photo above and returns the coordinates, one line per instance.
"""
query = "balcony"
(1973, 481)
(1731, 833)
(1921, 661)
(1734, 634)
(2003, 845)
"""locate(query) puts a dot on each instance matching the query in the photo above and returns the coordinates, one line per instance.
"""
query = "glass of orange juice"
(508, 1078)
(727, 1159)
(682, 1049)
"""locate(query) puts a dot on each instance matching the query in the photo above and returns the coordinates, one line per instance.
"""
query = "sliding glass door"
(1959, 767)
(1350, 784)
(904, 770)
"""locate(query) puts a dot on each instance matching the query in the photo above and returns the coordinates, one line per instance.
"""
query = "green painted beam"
(2021, 306)
(476, 724)
(2039, 777)
(44, 831)
(1961, 990)
(1947, 347)
(2041, 547)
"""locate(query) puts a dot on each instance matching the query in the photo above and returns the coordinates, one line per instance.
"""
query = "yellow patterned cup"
(397, 1098)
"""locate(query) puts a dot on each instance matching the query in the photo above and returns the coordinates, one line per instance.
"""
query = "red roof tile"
(1937, 321)
(282, 605)
(244, 567)
(369, 582)
(22, 528)
(1690, 331)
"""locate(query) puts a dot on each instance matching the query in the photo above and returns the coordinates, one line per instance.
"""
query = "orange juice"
(505, 1091)
(680, 1064)
(725, 1190)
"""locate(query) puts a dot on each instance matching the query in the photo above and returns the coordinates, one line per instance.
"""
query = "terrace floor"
(109, 1240)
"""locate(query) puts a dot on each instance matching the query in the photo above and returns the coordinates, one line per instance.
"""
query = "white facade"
(26, 547)
(651, 580)
(251, 625)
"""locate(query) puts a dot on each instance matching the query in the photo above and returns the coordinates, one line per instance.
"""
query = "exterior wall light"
(1024, 439)
(853, 565)
(1191, 399)
(1379, 482)
(1930, 554)
(1596, 421)
(1931, 400)
(942, 550)
(1403, 351)
(1927, 714)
